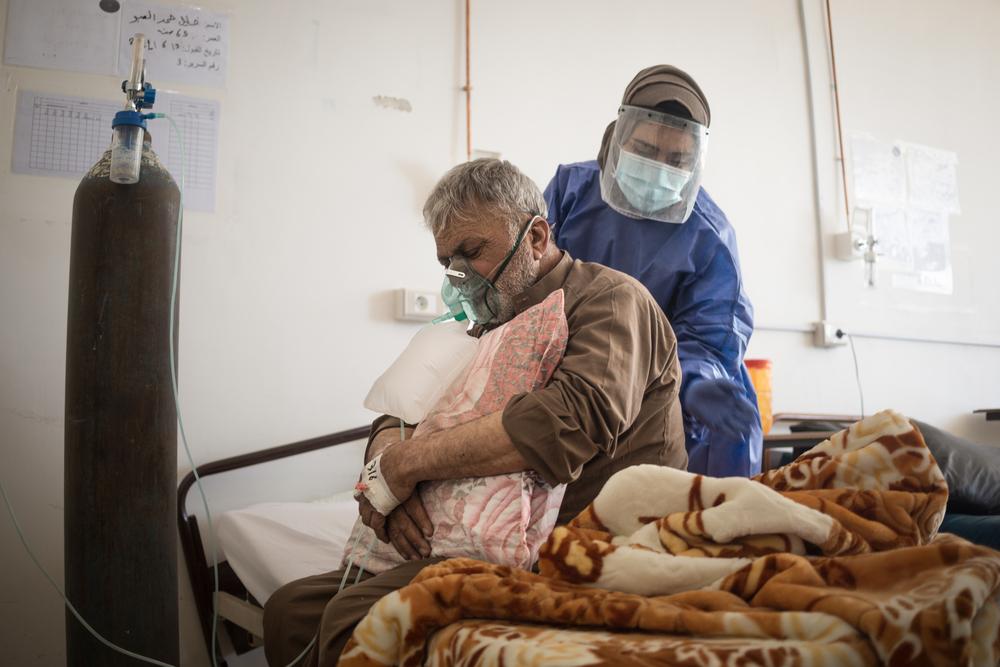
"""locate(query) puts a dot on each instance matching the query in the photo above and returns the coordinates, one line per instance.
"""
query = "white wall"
(285, 309)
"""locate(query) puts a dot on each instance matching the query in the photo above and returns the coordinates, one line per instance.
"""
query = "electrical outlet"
(825, 335)
(413, 305)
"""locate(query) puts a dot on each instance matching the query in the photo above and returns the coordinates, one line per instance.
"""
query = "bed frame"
(240, 615)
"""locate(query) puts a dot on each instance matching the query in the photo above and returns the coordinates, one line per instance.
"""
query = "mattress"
(271, 544)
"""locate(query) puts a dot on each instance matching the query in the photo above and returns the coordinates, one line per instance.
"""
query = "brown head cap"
(656, 85)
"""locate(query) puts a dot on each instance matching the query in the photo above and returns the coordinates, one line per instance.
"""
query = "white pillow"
(430, 363)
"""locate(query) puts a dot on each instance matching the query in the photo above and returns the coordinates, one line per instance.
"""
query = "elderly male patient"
(612, 401)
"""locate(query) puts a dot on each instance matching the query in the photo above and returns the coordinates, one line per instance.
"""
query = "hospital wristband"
(373, 487)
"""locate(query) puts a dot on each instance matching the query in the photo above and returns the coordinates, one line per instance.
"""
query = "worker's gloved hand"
(722, 407)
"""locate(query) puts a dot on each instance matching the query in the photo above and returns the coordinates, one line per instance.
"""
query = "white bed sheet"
(271, 544)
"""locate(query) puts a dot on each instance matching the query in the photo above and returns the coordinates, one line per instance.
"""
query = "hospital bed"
(252, 566)
(244, 537)
(267, 545)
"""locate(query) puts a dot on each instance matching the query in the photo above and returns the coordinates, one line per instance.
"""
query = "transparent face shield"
(654, 165)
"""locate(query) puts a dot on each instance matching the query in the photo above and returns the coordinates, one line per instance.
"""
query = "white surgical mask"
(649, 185)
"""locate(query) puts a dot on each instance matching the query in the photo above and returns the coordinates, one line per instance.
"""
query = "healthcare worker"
(640, 208)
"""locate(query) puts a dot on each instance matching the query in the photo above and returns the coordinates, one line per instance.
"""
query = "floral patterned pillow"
(502, 519)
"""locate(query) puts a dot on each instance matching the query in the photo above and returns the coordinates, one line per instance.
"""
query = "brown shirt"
(613, 400)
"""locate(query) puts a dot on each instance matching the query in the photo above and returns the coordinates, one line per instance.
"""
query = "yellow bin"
(760, 375)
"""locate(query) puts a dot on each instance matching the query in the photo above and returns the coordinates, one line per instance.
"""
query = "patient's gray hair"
(482, 186)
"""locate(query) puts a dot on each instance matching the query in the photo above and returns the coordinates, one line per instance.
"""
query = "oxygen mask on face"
(467, 294)
(470, 295)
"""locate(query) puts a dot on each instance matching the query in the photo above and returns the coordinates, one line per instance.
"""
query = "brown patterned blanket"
(830, 560)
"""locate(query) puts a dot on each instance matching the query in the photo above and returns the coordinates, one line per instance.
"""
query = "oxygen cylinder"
(121, 422)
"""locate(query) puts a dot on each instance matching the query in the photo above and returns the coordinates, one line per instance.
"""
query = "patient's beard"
(519, 275)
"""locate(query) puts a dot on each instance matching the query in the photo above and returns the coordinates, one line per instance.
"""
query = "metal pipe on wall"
(468, 84)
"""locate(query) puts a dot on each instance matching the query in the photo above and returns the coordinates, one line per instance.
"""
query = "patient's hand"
(410, 528)
(407, 527)
(371, 518)
(394, 468)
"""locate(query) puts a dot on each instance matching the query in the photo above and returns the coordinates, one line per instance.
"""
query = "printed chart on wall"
(59, 135)
(198, 122)
(56, 135)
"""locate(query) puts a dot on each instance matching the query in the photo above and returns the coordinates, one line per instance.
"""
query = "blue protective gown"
(693, 272)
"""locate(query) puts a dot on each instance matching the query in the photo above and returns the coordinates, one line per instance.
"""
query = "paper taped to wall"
(60, 135)
(878, 170)
(198, 120)
(55, 34)
(893, 236)
(931, 250)
(911, 190)
(184, 44)
(931, 178)
(902, 173)
(56, 135)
